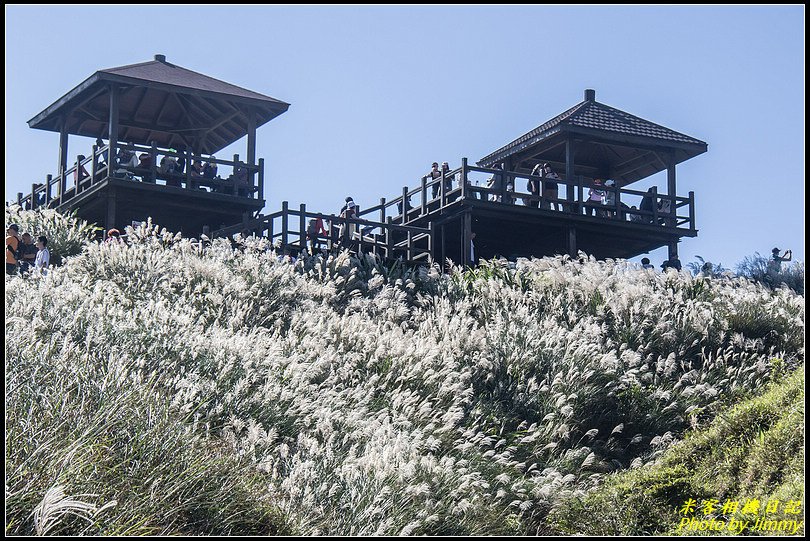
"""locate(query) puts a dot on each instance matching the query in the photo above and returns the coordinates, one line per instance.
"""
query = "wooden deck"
(504, 220)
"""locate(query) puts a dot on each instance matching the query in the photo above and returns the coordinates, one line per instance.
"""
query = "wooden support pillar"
(251, 147)
(389, 239)
(261, 179)
(443, 253)
(382, 210)
(284, 227)
(111, 204)
(464, 190)
(112, 127)
(671, 187)
(673, 249)
(569, 170)
(404, 205)
(692, 211)
(572, 242)
(302, 226)
(63, 152)
(466, 237)
(48, 191)
(33, 195)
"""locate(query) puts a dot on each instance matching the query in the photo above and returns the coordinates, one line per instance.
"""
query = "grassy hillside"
(165, 387)
(754, 451)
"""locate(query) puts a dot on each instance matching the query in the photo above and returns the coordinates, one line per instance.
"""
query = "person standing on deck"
(432, 175)
(550, 188)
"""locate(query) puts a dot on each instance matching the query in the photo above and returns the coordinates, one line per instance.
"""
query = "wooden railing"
(245, 180)
(571, 200)
(288, 228)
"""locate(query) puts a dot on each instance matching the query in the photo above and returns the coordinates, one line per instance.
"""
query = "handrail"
(365, 237)
(407, 210)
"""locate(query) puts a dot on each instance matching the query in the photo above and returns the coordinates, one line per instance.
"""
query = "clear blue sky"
(379, 93)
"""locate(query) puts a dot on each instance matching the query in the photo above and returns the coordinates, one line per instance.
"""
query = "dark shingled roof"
(593, 115)
(171, 74)
(162, 103)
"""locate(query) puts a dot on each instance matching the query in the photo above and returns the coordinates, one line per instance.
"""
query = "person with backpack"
(12, 248)
(315, 231)
(27, 253)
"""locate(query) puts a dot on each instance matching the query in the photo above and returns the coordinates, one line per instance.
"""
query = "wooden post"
(617, 195)
(655, 205)
(424, 197)
(261, 179)
(404, 204)
(572, 242)
(251, 148)
(153, 165)
(569, 171)
(111, 203)
(671, 188)
(580, 195)
(270, 231)
(431, 233)
(464, 190)
(48, 194)
(409, 252)
(443, 247)
(93, 165)
(19, 198)
(112, 127)
(77, 177)
(63, 152)
(389, 239)
(692, 211)
(466, 234)
(189, 161)
(284, 229)
(442, 195)
(673, 249)
(33, 195)
(302, 224)
(382, 210)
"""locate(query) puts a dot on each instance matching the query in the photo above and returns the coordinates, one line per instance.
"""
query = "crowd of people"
(23, 255)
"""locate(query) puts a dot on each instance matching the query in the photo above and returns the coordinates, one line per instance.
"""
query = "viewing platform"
(164, 124)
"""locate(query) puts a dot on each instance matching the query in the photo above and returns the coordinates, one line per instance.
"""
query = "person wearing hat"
(12, 248)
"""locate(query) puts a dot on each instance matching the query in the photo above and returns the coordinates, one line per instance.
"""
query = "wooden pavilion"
(166, 112)
(588, 141)
(172, 116)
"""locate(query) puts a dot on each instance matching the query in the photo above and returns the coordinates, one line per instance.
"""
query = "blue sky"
(378, 93)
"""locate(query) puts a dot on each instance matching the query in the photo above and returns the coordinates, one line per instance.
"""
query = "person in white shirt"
(43, 255)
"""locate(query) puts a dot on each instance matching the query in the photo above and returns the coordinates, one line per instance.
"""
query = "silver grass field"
(168, 386)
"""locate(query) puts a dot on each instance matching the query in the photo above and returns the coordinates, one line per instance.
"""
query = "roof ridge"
(625, 116)
(547, 125)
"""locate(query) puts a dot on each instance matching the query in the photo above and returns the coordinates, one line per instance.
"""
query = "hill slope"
(342, 397)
